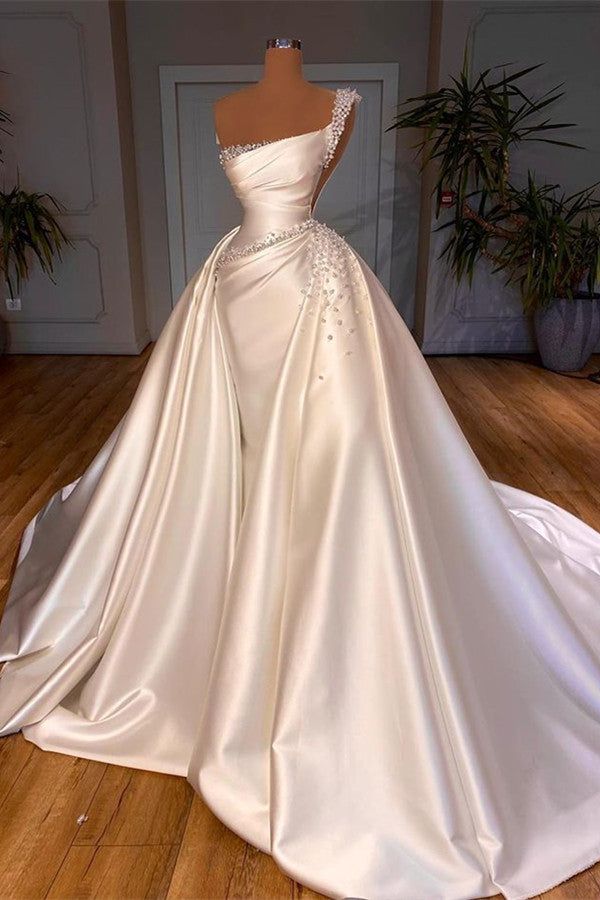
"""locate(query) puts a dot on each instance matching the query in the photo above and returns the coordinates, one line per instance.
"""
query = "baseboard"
(91, 348)
(451, 348)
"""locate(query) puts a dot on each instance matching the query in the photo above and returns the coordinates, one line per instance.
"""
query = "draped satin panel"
(287, 578)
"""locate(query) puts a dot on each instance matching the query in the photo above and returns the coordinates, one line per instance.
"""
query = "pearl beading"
(333, 297)
(342, 104)
(345, 97)
(271, 238)
(332, 294)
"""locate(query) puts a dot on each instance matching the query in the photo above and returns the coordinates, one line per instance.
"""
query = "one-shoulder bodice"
(275, 180)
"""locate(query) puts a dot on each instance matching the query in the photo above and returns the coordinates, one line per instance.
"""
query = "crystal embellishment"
(273, 237)
(237, 149)
(342, 104)
(344, 99)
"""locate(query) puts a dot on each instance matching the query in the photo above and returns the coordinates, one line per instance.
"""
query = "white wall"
(68, 92)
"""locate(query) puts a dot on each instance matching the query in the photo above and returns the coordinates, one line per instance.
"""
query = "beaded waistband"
(272, 237)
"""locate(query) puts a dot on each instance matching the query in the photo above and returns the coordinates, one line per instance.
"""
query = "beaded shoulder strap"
(344, 99)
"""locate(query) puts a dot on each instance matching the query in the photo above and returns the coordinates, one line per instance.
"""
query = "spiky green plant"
(470, 128)
(546, 242)
(29, 231)
(5, 119)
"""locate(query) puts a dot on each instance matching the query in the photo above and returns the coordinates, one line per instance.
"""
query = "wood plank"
(209, 855)
(15, 752)
(115, 873)
(39, 820)
(133, 807)
(214, 862)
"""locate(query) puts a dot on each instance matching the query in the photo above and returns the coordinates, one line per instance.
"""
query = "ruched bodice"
(275, 183)
(275, 180)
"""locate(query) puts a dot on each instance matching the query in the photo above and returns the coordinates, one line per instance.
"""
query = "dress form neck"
(282, 68)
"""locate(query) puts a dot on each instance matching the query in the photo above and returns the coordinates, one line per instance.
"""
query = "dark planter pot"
(567, 331)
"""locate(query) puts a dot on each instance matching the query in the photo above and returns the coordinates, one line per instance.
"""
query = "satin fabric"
(287, 578)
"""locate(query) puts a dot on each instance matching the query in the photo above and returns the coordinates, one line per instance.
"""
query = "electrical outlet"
(13, 304)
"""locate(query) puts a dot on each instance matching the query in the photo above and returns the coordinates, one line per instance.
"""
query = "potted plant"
(544, 241)
(550, 247)
(29, 231)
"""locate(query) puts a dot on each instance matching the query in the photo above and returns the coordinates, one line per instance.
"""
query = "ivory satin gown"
(286, 577)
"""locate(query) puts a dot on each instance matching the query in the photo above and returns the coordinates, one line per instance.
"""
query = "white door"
(357, 200)
(488, 317)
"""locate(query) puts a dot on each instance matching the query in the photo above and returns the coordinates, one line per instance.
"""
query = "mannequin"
(283, 103)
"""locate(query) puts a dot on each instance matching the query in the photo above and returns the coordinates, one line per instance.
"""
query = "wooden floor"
(70, 828)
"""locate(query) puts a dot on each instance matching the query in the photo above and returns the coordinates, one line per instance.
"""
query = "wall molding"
(18, 319)
(524, 8)
(80, 37)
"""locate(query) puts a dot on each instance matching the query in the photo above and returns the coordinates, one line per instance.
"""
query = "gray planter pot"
(567, 331)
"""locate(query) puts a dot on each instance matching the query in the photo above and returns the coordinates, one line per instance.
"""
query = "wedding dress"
(286, 577)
